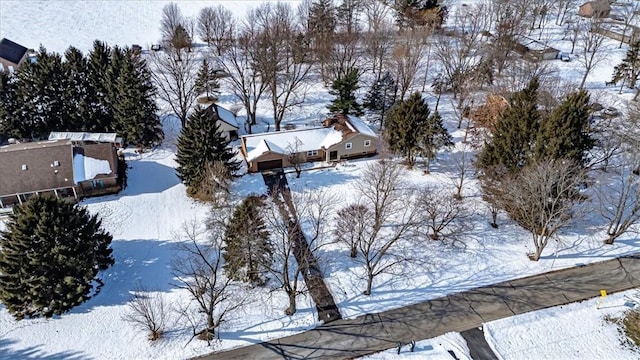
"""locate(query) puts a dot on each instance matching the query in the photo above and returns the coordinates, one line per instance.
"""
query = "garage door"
(271, 164)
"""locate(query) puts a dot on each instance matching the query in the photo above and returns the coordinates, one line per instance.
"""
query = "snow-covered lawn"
(573, 331)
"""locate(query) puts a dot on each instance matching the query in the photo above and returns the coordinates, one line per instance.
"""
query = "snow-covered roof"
(87, 168)
(279, 141)
(84, 136)
(227, 116)
(361, 127)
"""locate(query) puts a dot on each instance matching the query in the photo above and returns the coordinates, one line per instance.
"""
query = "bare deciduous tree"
(563, 7)
(238, 62)
(215, 27)
(463, 168)
(628, 12)
(379, 35)
(351, 226)
(295, 156)
(175, 74)
(171, 19)
(619, 200)
(441, 212)
(281, 57)
(541, 198)
(405, 58)
(390, 219)
(592, 47)
(148, 311)
(197, 268)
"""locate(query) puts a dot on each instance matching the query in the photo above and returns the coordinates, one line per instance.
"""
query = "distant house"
(12, 55)
(597, 9)
(341, 137)
(57, 167)
(535, 50)
(226, 120)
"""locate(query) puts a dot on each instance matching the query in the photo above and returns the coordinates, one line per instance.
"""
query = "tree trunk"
(292, 303)
(369, 284)
(494, 219)
(354, 251)
(610, 239)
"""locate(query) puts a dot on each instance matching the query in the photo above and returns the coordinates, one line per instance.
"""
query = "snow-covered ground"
(575, 331)
(147, 216)
(437, 348)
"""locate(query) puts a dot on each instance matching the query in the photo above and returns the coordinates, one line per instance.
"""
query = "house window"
(24, 167)
(56, 163)
(348, 146)
(312, 153)
(367, 143)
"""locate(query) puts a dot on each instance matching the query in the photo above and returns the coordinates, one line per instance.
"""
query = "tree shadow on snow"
(34, 352)
(137, 262)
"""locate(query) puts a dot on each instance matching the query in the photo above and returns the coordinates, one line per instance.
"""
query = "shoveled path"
(348, 338)
(479, 348)
(311, 273)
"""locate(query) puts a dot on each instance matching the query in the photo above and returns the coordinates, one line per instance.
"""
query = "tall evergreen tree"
(133, 100)
(50, 255)
(344, 90)
(10, 123)
(565, 133)
(200, 143)
(628, 71)
(40, 92)
(207, 81)
(514, 137)
(248, 251)
(433, 137)
(79, 103)
(381, 97)
(412, 130)
(98, 63)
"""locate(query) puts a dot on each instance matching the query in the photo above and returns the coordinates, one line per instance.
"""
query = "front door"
(333, 155)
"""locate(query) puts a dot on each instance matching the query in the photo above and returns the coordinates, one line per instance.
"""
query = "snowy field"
(146, 218)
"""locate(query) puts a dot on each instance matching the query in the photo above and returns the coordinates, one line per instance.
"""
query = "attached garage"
(269, 164)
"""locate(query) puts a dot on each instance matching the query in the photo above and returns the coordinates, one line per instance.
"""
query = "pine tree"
(513, 143)
(344, 90)
(10, 123)
(132, 97)
(77, 97)
(200, 143)
(409, 124)
(248, 251)
(628, 71)
(565, 133)
(51, 253)
(207, 81)
(381, 97)
(40, 92)
(433, 137)
(98, 64)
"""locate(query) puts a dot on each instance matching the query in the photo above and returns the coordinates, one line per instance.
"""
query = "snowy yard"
(146, 218)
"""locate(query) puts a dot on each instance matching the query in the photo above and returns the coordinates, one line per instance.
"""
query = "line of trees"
(106, 90)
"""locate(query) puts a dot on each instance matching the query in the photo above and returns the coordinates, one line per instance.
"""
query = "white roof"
(84, 136)
(360, 126)
(279, 141)
(227, 116)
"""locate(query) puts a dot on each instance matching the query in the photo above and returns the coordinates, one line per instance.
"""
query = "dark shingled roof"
(11, 51)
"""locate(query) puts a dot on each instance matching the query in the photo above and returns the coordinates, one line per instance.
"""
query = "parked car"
(565, 57)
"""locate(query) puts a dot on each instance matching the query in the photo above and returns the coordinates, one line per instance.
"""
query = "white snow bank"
(574, 331)
(433, 349)
(87, 168)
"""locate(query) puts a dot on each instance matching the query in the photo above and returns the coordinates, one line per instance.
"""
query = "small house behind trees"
(340, 137)
(227, 121)
(597, 9)
(58, 167)
(12, 55)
